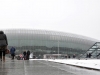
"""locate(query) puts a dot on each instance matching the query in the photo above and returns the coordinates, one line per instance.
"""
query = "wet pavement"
(41, 67)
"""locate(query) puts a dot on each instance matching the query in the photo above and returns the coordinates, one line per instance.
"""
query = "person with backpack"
(3, 45)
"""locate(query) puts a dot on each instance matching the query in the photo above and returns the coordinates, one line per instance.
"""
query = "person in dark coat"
(24, 55)
(28, 54)
(3, 45)
(12, 52)
(90, 55)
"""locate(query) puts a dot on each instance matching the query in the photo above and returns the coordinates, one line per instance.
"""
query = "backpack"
(3, 43)
(2, 40)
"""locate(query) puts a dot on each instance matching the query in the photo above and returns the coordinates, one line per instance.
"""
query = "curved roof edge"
(52, 32)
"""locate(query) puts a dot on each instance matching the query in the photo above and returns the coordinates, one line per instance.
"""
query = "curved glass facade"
(42, 42)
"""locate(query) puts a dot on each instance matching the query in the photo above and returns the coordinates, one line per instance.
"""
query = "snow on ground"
(90, 63)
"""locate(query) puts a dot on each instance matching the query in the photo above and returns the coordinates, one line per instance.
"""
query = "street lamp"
(58, 48)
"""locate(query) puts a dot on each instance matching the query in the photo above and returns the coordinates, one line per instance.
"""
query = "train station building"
(41, 42)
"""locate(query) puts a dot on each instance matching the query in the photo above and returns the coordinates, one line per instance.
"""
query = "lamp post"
(58, 48)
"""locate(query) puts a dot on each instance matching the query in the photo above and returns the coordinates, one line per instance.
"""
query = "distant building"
(42, 42)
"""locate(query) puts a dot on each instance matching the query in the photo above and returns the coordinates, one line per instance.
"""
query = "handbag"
(7, 51)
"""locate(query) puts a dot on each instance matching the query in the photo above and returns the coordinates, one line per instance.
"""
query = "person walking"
(90, 55)
(3, 45)
(24, 55)
(12, 52)
(28, 54)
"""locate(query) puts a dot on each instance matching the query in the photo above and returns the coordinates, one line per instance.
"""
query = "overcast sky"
(73, 16)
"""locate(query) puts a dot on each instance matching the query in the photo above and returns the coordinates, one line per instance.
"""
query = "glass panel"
(91, 49)
(94, 47)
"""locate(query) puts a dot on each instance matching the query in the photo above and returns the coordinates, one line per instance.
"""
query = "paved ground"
(40, 67)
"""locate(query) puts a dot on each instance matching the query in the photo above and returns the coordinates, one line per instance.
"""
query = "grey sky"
(73, 16)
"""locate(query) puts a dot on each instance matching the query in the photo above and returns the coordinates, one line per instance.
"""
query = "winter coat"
(24, 53)
(28, 52)
(12, 50)
(3, 39)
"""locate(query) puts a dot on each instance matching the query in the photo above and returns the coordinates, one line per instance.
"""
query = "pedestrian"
(28, 54)
(12, 52)
(74, 56)
(90, 55)
(87, 56)
(3, 45)
(69, 57)
(24, 55)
